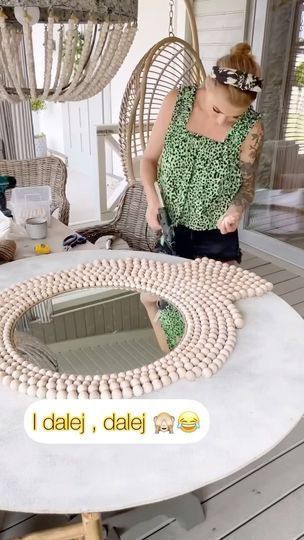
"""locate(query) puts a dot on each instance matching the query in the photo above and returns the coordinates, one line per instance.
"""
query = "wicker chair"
(47, 171)
(129, 223)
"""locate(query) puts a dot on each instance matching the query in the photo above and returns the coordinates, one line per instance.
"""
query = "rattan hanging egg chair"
(169, 64)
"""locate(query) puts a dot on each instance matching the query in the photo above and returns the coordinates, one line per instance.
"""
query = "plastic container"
(31, 202)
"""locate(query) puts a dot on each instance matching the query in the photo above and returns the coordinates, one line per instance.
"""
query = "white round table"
(254, 401)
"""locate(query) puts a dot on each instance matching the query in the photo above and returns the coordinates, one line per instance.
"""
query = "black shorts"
(212, 244)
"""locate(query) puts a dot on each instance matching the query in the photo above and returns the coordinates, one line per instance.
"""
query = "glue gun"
(167, 240)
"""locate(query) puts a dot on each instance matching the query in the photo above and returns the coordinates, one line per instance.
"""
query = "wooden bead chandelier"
(84, 44)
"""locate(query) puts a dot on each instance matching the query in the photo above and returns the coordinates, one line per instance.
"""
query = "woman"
(203, 151)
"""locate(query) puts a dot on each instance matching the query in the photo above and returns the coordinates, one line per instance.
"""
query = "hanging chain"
(171, 17)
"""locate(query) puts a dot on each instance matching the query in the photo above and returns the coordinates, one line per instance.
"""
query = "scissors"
(73, 240)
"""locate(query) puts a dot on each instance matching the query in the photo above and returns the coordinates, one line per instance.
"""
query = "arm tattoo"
(248, 169)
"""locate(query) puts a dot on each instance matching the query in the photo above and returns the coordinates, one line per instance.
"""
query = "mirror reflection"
(96, 331)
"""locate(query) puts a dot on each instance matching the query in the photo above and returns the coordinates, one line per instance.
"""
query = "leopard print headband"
(239, 79)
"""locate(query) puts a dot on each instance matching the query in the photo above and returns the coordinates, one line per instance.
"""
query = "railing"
(108, 152)
(55, 153)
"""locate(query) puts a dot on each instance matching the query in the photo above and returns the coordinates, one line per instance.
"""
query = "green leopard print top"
(199, 177)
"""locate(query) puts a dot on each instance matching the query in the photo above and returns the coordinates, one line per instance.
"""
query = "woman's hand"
(230, 221)
(152, 217)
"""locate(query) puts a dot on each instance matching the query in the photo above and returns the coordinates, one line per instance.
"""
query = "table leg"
(187, 509)
(113, 535)
(146, 520)
(91, 522)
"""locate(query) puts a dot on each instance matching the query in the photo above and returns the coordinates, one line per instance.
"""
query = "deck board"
(251, 264)
(294, 297)
(265, 270)
(246, 256)
(253, 495)
(247, 509)
(293, 439)
(300, 309)
(289, 285)
(283, 521)
(282, 275)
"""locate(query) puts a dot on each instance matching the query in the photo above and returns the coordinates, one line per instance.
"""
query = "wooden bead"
(14, 385)
(51, 394)
(94, 395)
(181, 372)
(138, 390)
(62, 394)
(190, 376)
(197, 371)
(41, 392)
(31, 391)
(173, 376)
(147, 387)
(166, 381)
(117, 394)
(83, 395)
(105, 394)
(127, 392)
(72, 395)
(157, 384)
(7, 379)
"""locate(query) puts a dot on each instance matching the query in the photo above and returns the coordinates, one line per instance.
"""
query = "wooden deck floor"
(264, 501)
(288, 282)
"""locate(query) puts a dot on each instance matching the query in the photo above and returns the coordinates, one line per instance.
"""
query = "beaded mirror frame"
(204, 291)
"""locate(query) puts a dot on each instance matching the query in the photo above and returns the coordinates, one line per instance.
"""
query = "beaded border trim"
(203, 290)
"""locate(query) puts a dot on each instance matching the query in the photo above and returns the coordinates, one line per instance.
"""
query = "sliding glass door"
(275, 221)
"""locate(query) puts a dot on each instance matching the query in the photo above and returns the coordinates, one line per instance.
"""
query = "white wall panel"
(221, 25)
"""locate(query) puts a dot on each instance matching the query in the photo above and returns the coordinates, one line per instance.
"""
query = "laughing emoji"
(188, 421)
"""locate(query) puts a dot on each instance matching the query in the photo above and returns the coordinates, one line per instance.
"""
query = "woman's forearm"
(245, 195)
(249, 161)
(148, 174)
